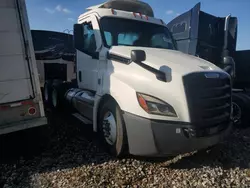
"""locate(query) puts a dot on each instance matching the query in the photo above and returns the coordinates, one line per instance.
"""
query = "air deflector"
(127, 5)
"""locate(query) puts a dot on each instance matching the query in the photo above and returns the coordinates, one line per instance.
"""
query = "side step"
(82, 118)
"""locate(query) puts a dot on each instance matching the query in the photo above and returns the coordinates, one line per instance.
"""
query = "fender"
(123, 94)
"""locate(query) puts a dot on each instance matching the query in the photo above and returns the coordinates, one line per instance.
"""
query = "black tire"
(59, 89)
(54, 94)
(47, 93)
(119, 148)
(243, 102)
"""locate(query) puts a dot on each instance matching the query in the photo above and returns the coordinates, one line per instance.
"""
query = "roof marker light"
(134, 14)
(146, 17)
(113, 12)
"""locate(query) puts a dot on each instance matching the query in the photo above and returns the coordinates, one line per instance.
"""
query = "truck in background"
(21, 105)
(139, 93)
(214, 39)
(242, 66)
(55, 55)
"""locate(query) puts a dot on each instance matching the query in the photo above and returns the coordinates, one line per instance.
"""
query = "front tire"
(111, 129)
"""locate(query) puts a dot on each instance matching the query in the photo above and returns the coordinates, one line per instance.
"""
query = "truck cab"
(140, 94)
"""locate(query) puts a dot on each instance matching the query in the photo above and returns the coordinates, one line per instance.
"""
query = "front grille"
(209, 99)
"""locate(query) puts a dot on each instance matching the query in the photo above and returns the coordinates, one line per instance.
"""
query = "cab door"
(88, 56)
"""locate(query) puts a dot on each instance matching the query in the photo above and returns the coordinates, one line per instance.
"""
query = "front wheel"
(111, 128)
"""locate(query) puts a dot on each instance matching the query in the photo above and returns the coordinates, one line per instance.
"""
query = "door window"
(89, 39)
(108, 38)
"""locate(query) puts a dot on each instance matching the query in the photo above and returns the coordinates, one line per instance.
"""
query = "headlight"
(156, 106)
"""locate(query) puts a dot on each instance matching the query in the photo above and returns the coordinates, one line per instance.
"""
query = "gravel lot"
(73, 159)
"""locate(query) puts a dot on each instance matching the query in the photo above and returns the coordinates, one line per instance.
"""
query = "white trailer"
(21, 105)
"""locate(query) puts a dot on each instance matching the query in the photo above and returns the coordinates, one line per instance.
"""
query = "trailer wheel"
(241, 109)
(111, 129)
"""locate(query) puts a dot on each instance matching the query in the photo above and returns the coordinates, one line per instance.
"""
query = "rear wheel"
(54, 98)
(111, 128)
(59, 90)
(58, 93)
(47, 92)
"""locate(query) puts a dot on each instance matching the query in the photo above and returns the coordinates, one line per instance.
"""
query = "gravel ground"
(73, 159)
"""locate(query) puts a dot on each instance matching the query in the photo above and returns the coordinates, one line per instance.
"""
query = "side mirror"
(167, 73)
(78, 37)
(138, 56)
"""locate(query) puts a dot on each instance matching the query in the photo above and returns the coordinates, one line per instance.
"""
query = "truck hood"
(177, 61)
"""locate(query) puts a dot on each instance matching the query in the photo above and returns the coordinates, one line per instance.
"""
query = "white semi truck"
(141, 95)
(21, 105)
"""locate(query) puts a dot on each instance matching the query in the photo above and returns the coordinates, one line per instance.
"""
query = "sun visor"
(127, 5)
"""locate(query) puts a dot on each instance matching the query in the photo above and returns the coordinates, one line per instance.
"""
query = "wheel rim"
(236, 113)
(54, 98)
(109, 128)
(46, 93)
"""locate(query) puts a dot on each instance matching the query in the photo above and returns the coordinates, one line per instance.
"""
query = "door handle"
(80, 76)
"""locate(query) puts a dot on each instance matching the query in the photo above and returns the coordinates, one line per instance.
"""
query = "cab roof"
(130, 9)
(126, 5)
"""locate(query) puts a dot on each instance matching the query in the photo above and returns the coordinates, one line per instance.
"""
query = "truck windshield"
(125, 32)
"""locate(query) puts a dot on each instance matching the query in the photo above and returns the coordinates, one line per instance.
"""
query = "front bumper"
(164, 138)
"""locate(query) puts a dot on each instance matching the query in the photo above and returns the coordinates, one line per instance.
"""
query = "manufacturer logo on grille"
(212, 75)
